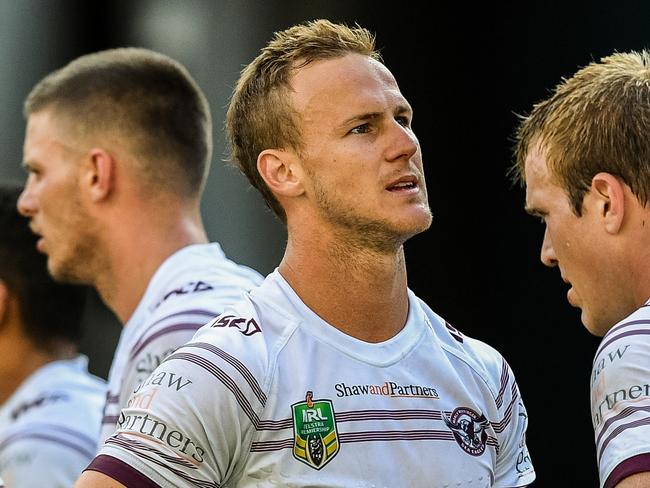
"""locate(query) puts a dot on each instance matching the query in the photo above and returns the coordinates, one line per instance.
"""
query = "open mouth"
(403, 184)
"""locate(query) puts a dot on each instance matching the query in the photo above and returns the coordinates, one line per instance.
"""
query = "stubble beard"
(78, 264)
(370, 235)
(76, 268)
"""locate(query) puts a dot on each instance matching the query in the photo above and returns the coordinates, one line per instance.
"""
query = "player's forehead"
(345, 85)
(47, 135)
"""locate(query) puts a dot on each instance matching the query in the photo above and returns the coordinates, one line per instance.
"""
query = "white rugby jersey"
(620, 399)
(49, 426)
(189, 289)
(268, 394)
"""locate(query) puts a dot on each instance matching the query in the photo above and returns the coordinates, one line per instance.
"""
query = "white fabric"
(429, 407)
(620, 393)
(188, 290)
(49, 426)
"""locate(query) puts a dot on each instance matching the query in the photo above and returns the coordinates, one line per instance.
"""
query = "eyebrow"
(400, 109)
(361, 118)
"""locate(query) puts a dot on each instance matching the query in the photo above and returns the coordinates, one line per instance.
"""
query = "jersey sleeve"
(620, 402)
(167, 329)
(514, 467)
(58, 453)
(509, 419)
(190, 421)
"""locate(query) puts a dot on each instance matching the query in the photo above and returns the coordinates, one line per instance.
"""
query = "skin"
(639, 480)
(344, 255)
(19, 357)
(346, 219)
(601, 254)
(52, 199)
(98, 225)
(97, 480)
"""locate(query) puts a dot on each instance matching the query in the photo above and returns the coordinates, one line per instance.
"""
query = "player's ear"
(98, 173)
(281, 172)
(608, 192)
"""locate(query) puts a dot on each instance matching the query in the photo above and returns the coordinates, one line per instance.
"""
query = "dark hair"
(147, 99)
(51, 312)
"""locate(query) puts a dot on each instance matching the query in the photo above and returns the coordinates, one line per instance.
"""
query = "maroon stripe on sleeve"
(505, 377)
(120, 471)
(633, 465)
(192, 326)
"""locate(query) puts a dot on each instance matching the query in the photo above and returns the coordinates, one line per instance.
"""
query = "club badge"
(316, 440)
(468, 428)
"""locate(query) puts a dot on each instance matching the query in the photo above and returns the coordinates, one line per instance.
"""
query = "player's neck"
(18, 364)
(136, 253)
(362, 293)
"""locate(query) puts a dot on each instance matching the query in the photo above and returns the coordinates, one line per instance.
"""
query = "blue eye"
(361, 129)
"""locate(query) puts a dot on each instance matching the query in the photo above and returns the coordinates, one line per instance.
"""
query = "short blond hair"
(598, 120)
(144, 96)
(259, 115)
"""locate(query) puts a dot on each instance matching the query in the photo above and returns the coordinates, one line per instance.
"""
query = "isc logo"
(248, 327)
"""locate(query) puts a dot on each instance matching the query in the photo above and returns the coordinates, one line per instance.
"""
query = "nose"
(547, 255)
(404, 143)
(26, 202)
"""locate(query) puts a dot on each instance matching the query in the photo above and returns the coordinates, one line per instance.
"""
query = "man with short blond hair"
(118, 147)
(50, 405)
(584, 157)
(332, 372)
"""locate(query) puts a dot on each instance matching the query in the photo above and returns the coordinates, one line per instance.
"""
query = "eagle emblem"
(469, 429)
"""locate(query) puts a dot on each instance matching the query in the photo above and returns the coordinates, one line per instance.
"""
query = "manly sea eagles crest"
(468, 428)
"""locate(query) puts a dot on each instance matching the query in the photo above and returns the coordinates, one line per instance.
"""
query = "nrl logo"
(316, 440)
(468, 429)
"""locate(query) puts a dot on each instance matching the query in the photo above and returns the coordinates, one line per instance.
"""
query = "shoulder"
(59, 412)
(622, 358)
(56, 390)
(244, 341)
(481, 358)
(200, 271)
(620, 393)
(189, 290)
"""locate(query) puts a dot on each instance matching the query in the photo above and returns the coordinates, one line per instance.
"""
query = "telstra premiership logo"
(316, 439)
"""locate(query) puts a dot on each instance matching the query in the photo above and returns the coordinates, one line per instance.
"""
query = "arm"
(639, 480)
(509, 423)
(620, 406)
(186, 424)
(93, 479)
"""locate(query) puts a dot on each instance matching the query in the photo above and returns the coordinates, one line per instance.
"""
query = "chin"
(595, 327)
(65, 273)
(418, 225)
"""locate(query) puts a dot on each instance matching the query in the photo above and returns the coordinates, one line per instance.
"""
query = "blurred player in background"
(118, 147)
(50, 406)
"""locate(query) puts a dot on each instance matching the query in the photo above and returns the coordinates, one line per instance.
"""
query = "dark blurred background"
(468, 71)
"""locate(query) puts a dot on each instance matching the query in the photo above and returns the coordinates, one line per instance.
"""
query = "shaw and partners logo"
(316, 439)
(389, 388)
